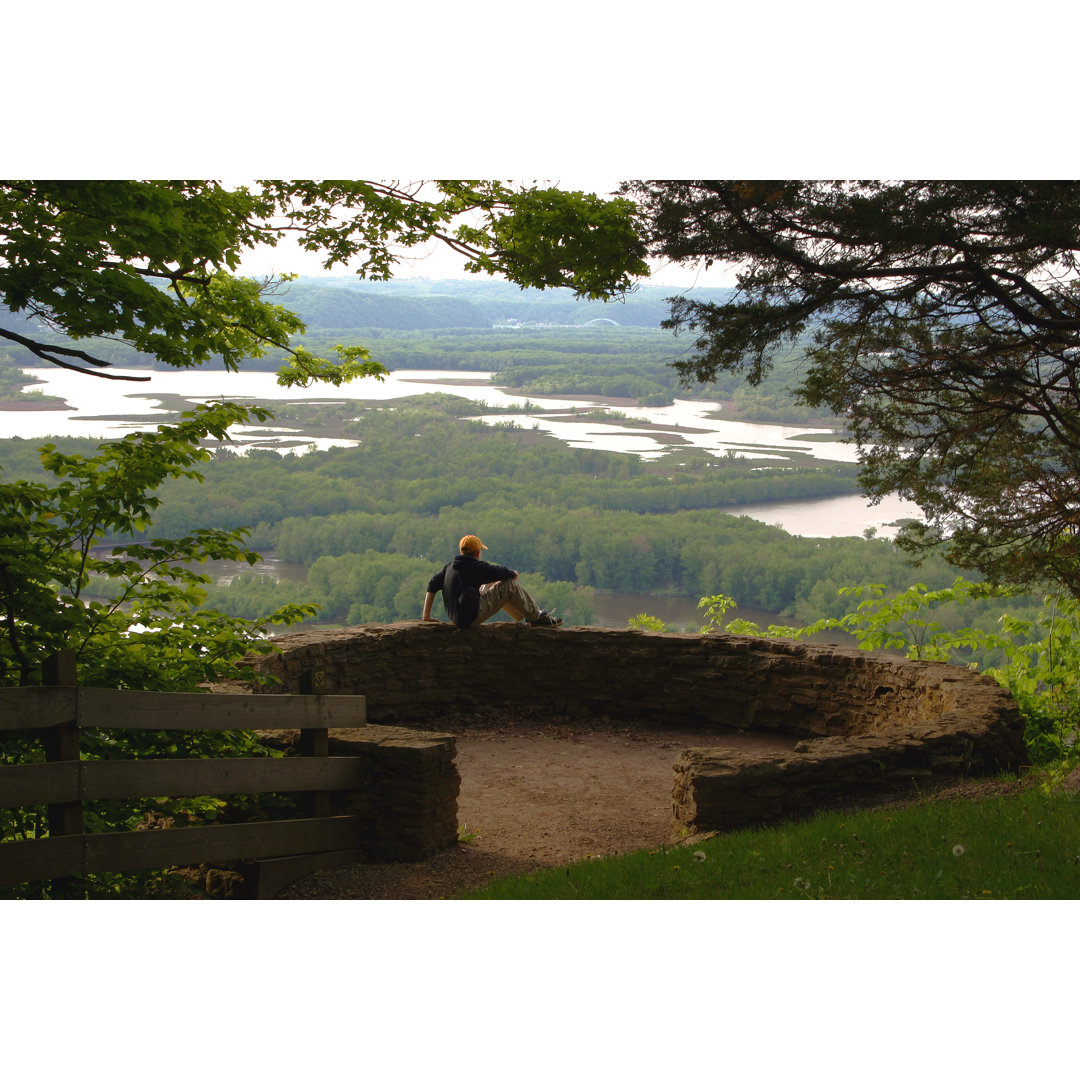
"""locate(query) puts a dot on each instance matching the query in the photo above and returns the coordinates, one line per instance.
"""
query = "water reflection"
(103, 409)
(836, 515)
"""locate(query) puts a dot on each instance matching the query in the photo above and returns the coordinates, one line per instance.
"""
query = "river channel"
(106, 409)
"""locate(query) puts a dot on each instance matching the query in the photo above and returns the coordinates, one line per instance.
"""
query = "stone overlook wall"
(860, 719)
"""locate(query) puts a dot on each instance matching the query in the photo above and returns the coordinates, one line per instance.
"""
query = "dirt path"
(535, 795)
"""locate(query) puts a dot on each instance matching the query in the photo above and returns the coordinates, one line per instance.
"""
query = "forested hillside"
(497, 302)
(541, 343)
(373, 522)
(538, 342)
(324, 306)
(328, 304)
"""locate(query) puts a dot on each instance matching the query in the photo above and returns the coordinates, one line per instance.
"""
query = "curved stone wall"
(862, 719)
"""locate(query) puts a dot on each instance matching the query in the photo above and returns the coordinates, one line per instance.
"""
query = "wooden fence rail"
(64, 781)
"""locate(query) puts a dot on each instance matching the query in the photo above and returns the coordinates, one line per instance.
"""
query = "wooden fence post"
(62, 744)
(315, 742)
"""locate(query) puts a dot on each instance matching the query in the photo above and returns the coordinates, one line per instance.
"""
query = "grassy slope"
(1024, 845)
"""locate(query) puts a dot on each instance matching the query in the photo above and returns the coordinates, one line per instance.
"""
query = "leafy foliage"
(150, 633)
(1036, 659)
(146, 628)
(942, 320)
(1041, 670)
(904, 620)
(545, 231)
(152, 263)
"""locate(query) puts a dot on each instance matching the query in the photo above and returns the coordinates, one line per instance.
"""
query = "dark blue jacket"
(459, 582)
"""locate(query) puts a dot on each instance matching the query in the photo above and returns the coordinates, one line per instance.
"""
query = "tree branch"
(45, 353)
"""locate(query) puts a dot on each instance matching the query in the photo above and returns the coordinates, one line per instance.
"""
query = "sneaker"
(545, 618)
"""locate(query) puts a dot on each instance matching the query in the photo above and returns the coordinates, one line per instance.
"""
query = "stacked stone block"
(861, 719)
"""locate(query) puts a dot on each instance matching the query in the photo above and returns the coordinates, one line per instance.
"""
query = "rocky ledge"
(858, 720)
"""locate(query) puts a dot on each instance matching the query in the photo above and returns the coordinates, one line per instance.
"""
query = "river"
(107, 409)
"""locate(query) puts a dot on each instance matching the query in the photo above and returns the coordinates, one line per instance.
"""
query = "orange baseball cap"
(471, 543)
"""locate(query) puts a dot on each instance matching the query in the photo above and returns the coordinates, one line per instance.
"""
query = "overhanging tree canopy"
(941, 321)
(153, 263)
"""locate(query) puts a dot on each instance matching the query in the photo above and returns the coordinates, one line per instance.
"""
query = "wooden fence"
(63, 782)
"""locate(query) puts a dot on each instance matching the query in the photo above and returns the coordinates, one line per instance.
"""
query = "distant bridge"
(601, 322)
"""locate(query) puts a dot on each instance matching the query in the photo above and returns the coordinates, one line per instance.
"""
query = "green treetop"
(152, 263)
(940, 318)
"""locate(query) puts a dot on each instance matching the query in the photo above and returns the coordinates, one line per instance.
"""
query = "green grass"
(1024, 847)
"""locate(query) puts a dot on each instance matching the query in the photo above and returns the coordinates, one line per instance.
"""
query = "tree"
(152, 263)
(133, 617)
(941, 320)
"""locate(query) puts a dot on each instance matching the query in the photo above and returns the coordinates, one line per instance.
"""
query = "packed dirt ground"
(536, 795)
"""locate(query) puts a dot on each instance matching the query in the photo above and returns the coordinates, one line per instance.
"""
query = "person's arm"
(434, 586)
(494, 572)
(429, 599)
